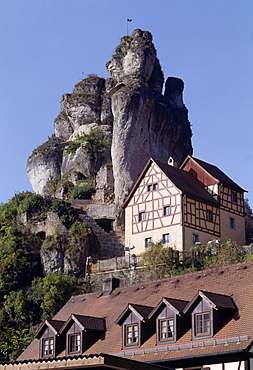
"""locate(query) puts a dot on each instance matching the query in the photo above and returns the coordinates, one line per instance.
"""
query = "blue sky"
(47, 46)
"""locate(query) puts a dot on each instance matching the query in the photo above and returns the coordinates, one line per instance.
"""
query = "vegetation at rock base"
(83, 192)
(26, 296)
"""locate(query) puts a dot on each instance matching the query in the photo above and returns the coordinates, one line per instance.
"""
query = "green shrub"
(32, 203)
(83, 192)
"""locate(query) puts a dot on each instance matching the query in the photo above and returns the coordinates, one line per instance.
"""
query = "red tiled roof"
(235, 336)
(218, 174)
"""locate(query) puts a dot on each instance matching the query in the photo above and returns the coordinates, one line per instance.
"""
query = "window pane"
(74, 343)
(166, 329)
(132, 334)
(166, 238)
(202, 323)
(166, 210)
(48, 347)
(148, 242)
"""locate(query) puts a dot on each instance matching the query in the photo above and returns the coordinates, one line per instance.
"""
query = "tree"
(248, 222)
(159, 261)
(94, 144)
(51, 292)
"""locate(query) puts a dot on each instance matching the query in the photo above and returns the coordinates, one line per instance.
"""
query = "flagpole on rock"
(128, 20)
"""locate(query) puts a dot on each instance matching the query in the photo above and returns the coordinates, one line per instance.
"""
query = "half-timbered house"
(195, 203)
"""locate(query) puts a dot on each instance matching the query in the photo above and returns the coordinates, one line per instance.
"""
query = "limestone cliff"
(140, 119)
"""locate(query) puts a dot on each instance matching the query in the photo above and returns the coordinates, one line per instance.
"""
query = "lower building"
(201, 320)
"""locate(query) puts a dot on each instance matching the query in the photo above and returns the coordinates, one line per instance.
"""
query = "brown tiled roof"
(187, 183)
(218, 301)
(177, 304)
(221, 300)
(183, 180)
(54, 324)
(91, 323)
(87, 322)
(142, 311)
(218, 174)
(235, 336)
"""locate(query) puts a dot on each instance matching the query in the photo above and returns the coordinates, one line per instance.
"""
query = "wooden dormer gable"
(136, 327)
(49, 335)
(209, 174)
(81, 332)
(196, 168)
(209, 312)
(170, 320)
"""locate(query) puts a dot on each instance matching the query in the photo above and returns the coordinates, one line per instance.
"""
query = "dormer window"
(136, 327)
(131, 334)
(49, 335)
(202, 324)
(48, 347)
(81, 332)
(74, 343)
(170, 322)
(166, 329)
(208, 312)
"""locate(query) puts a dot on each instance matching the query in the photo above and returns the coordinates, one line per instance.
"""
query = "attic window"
(166, 210)
(149, 188)
(155, 187)
(202, 324)
(166, 329)
(142, 216)
(131, 334)
(75, 343)
(48, 347)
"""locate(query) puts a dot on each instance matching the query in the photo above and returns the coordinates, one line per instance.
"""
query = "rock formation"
(131, 108)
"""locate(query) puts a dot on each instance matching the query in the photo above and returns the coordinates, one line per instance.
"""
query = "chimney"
(172, 162)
